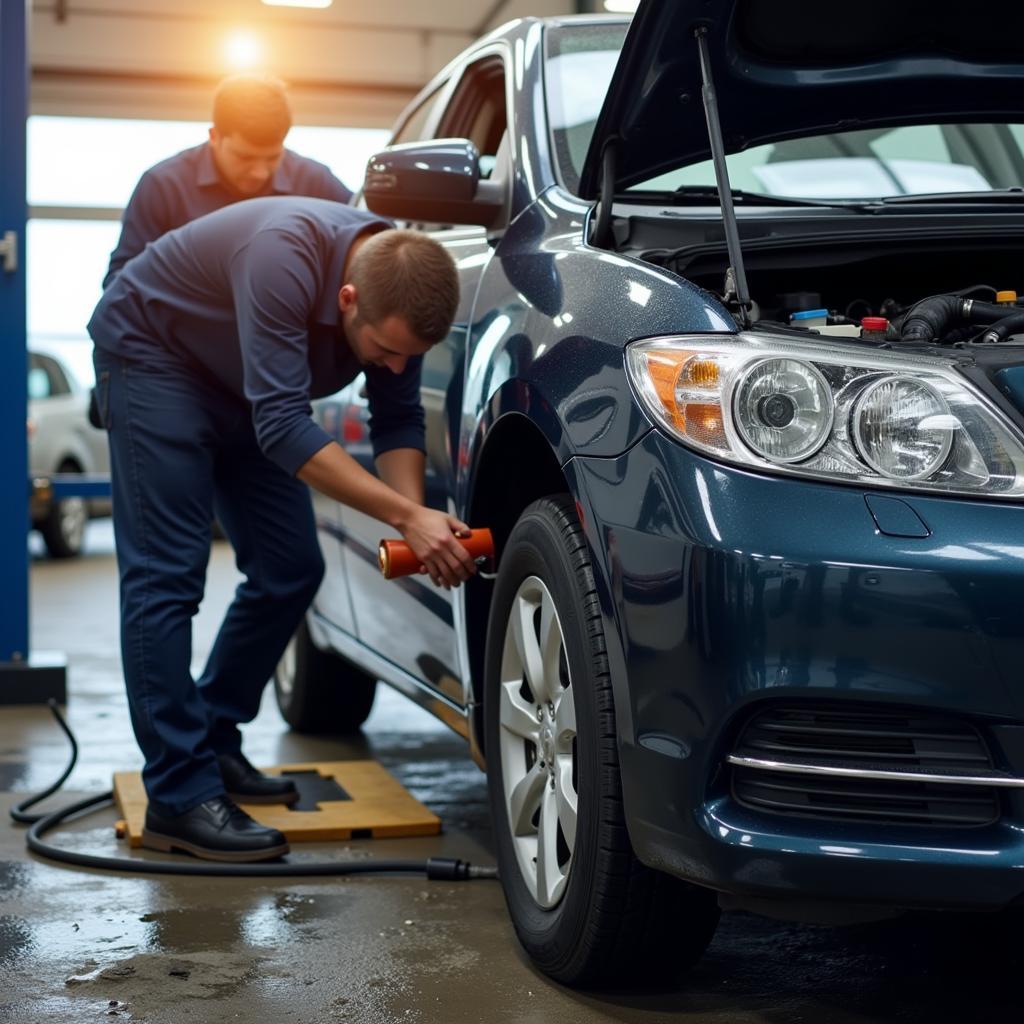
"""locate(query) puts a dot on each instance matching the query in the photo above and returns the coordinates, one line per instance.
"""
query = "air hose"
(444, 869)
(1002, 329)
(931, 319)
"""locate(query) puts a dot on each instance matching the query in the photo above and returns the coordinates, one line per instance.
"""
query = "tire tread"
(636, 917)
(330, 695)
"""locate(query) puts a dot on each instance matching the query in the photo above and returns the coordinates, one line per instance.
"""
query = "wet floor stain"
(13, 774)
(152, 978)
(17, 938)
(15, 877)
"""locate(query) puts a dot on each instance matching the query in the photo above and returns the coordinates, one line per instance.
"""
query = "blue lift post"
(24, 678)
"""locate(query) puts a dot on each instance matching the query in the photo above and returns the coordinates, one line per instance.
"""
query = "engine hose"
(445, 869)
(933, 318)
(1002, 329)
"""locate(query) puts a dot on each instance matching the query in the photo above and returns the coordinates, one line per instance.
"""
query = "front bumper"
(725, 590)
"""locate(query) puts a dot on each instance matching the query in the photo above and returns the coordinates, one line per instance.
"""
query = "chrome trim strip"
(1001, 781)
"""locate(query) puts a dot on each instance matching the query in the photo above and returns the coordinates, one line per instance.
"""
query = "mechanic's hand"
(432, 537)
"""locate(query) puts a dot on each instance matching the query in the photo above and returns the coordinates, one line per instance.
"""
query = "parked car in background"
(61, 440)
(755, 634)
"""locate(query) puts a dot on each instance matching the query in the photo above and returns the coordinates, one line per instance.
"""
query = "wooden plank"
(380, 806)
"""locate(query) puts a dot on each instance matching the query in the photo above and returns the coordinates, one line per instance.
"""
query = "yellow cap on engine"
(1007, 296)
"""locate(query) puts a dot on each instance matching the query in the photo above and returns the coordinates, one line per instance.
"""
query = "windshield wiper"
(711, 194)
(996, 195)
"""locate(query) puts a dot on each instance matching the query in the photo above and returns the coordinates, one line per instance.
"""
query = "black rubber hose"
(446, 869)
(985, 312)
(1002, 329)
(17, 812)
(933, 318)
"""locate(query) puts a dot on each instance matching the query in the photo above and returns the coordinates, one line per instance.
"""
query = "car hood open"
(790, 68)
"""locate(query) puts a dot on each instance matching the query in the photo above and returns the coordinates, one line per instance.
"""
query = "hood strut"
(735, 293)
(603, 236)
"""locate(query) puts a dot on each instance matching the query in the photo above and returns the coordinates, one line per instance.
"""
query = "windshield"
(870, 163)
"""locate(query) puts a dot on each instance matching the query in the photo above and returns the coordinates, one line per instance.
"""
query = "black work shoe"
(215, 830)
(249, 786)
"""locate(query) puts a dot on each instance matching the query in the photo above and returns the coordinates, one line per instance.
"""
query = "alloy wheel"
(72, 516)
(284, 676)
(538, 742)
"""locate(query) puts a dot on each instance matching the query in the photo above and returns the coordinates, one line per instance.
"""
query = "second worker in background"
(244, 157)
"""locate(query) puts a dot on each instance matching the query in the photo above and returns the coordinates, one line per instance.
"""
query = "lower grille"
(843, 763)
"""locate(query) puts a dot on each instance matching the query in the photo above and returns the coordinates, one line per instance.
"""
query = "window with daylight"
(81, 172)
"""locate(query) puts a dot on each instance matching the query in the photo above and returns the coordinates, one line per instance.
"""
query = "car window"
(46, 378)
(862, 164)
(869, 163)
(577, 72)
(415, 125)
(478, 110)
(38, 383)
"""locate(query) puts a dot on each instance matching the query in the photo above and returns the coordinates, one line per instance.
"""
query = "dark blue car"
(737, 382)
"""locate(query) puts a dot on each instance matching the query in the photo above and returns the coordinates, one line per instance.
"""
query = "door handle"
(9, 252)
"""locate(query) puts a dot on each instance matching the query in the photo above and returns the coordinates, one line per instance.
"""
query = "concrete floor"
(78, 946)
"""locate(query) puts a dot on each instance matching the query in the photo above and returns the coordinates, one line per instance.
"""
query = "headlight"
(784, 409)
(902, 428)
(834, 410)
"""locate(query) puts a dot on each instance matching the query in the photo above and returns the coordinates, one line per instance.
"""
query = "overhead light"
(298, 3)
(243, 50)
(614, 6)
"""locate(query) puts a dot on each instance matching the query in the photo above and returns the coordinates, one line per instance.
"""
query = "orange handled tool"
(397, 558)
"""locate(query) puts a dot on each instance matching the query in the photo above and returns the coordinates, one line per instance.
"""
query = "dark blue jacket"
(187, 185)
(248, 297)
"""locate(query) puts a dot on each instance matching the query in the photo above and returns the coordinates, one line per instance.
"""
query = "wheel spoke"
(550, 876)
(527, 647)
(537, 722)
(565, 720)
(516, 715)
(550, 649)
(565, 798)
(523, 800)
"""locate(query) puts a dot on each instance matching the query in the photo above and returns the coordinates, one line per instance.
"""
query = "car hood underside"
(787, 69)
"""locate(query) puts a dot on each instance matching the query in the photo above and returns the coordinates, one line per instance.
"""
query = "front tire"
(63, 529)
(320, 691)
(585, 909)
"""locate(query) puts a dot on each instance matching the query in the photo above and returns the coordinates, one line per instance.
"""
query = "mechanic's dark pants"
(181, 449)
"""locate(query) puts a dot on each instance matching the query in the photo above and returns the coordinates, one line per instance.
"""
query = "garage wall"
(355, 63)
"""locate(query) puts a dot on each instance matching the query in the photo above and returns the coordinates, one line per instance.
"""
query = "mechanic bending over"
(244, 157)
(209, 346)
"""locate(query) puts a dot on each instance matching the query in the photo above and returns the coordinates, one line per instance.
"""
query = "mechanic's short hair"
(253, 106)
(406, 274)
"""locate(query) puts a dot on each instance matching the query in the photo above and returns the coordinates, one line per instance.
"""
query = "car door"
(344, 417)
(410, 621)
(333, 600)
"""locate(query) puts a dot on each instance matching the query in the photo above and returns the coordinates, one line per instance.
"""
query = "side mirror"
(437, 182)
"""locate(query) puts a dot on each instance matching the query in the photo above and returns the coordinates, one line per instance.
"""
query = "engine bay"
(852, 267)
(953, 296)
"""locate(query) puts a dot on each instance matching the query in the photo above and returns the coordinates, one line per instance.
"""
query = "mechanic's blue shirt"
(248, 295)
(187, 185)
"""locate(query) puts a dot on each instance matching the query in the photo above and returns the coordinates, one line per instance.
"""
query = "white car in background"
(61, 440)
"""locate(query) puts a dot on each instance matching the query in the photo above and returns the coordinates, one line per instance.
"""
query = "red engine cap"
(874, 323)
